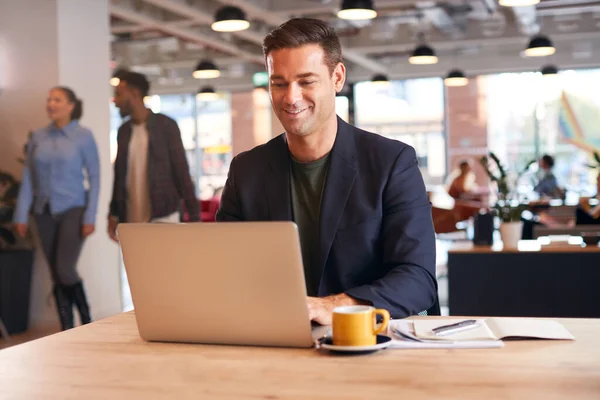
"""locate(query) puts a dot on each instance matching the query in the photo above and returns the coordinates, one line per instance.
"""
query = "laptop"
(235, 283)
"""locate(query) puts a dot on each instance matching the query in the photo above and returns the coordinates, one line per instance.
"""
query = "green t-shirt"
(308, 180)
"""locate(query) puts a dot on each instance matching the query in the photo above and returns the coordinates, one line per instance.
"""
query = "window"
(411, 111)
(530, 115)
(214, 144)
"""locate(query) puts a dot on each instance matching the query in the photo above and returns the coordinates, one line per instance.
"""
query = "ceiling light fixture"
(540, 46)
(207, 93)
(456, 78)
(114, 81)
(380, 80)
(206, 69)
(518, 3)
(423, 55)
(357, 10)
(549, 70)
(230, 19)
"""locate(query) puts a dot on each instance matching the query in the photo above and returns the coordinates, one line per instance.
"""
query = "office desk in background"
(108, 360)
(531, 281)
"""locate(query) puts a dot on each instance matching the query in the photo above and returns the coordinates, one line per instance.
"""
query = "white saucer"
(382, 343)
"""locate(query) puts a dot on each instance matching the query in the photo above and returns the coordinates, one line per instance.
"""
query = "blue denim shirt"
(547, 186)
(53, 173)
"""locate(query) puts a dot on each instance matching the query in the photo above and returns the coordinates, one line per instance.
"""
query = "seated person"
(464, 183)
(358, 198)
(548, 185)
(586, 213)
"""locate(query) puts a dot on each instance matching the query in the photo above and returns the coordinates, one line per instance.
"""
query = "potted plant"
(16, 261)
(508, 207)
(597, 159)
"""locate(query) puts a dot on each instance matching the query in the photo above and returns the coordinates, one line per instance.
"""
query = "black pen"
(454, 328)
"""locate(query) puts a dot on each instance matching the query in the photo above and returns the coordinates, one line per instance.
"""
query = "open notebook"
(403, 334)
(495, 329)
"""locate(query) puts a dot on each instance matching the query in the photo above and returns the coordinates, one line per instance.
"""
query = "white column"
(44, 43)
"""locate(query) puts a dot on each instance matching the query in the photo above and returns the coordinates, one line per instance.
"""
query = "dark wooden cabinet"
(15, 289)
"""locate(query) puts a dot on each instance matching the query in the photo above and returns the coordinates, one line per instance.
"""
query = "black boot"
(64, 307)
(77, 295)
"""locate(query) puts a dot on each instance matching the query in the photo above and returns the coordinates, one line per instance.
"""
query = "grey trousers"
(60, 237)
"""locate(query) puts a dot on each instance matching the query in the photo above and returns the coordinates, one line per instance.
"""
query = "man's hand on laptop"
(320, 308)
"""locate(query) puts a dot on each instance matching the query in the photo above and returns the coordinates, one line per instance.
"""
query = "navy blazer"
(377, 241)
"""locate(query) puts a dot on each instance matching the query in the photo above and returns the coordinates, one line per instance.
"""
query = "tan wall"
(43, 44)
(253, 120)
(242, 116)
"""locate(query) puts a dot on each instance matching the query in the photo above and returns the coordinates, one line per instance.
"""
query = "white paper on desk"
(528, 328)
(465, 344)
(423, 330)
(496, 328)
(404, 325)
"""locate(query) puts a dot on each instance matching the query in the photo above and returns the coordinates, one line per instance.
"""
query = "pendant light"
(380, 80)
(114, 81)
(549, 70)
(423, 55)
(206, 69)
(207, 93)
(230, 19)
(357, 10)
(540, 46)
(518, 3)
(456, 78)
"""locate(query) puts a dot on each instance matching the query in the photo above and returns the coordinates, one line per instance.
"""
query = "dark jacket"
(169, 178)
(376, 233)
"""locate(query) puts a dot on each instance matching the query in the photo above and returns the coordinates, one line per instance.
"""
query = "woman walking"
(54, 190)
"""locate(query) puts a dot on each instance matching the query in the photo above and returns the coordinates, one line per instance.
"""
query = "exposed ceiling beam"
(527, 20)
(177, 7)
(275, 19)
(287, 9)
(133, 28)
(568, 10)
(564, 3)
(137, 18)
(443, 21)
(187, 62)
(587, 31)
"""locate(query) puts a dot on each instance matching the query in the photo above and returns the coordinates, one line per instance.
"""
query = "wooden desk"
(531, 281)
(107, 360)
(525, 246)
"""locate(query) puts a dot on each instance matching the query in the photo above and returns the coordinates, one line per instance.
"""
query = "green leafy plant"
(508, 206)
(9, 191)
(597, 158)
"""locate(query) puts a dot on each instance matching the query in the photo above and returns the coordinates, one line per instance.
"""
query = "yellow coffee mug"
(356, 325)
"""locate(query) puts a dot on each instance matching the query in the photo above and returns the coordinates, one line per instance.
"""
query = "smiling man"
(358, 199)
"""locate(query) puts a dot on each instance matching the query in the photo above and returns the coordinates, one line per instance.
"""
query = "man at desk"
(358, 199)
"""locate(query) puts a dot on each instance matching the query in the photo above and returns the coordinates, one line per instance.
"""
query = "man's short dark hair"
(549, 160)
(136, 80)
(300, 31)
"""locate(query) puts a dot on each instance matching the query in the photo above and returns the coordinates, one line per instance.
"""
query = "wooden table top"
(108, 360)
(526, 246)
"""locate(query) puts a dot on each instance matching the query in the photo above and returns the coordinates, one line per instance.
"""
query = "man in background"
(151, 173)
(548, 184)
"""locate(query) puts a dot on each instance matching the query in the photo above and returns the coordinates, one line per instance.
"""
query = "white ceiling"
(166, 38)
